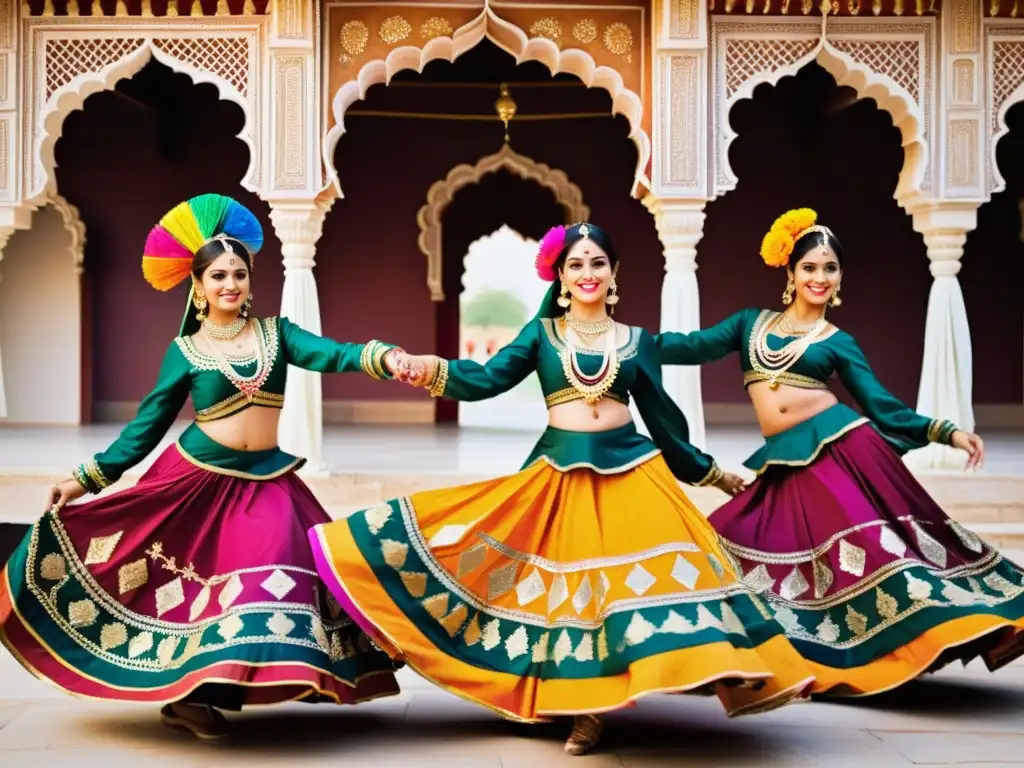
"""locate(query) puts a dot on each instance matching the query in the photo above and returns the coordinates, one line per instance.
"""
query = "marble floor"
(958, 717)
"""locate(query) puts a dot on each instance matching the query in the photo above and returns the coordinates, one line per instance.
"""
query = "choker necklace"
(791, 326)
(224, 332)
(588, 329)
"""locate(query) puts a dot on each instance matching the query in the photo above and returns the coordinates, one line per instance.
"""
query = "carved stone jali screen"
(76, 57)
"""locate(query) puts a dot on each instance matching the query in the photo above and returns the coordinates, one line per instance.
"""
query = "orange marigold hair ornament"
(777, 246)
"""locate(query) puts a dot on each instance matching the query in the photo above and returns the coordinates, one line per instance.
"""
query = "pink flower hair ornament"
(551, 246)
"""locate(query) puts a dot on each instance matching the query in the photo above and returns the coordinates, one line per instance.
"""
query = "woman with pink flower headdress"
(587, 579)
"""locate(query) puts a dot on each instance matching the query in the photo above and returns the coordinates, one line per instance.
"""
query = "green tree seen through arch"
(494, 308)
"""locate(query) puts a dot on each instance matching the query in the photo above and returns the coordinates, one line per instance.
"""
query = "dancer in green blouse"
(587, 579)
(873, 582)
(196, 588)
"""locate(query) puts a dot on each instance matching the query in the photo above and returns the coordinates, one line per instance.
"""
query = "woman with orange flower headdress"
(873, 582)
(196, 587)
(587, 579)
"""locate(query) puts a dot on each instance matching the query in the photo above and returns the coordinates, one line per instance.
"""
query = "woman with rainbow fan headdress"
(196, 588)
(874, 584)
(587, 579)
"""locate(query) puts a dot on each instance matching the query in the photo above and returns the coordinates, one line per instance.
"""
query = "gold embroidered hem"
(548, 593)
(151, 593)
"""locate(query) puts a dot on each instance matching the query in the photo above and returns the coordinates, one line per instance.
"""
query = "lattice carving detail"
(898, 59)
(745, 59)
(226, 57)
(67, 59)
(1007, 70)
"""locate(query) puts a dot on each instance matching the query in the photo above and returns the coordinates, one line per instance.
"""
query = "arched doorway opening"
(991, 276)
(404, 137)
(808, 142)
(40, 320)
(497, 201)
(128, 156)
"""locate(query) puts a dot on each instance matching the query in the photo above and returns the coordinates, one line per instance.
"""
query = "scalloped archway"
(72, 96)
(441, 193)
(513, 41)
(998, 181)
(907, 115)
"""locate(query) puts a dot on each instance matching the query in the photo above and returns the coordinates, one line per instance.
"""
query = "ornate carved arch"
(1005, 69)
(441, 193)
(71, 68)
(514, 41)
(76, 228)
(895, 72)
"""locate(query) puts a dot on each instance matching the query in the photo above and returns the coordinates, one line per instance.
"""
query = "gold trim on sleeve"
(92, 469)
(713, 476)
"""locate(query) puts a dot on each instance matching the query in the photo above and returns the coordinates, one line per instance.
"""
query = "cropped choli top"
(834, 352)
(188, 371)
(539, 347)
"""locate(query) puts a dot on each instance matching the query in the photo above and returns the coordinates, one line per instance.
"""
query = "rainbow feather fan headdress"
(167, 258)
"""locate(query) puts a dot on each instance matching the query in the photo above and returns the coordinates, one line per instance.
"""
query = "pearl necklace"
(772, 363)
(224, 332)
(591, 386)
(247, 385)
(586, 329)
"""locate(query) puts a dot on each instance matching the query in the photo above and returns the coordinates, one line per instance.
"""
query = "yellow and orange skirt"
(554, 592)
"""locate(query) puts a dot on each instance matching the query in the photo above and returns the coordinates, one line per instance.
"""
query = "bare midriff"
(577, 416)
(783, 408)
(254, 429)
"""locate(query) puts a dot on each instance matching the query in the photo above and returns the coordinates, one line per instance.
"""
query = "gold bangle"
(438, 381)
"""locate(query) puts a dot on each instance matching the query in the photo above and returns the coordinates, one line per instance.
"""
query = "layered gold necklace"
(247, 385)
(773, 363)
(592, 387)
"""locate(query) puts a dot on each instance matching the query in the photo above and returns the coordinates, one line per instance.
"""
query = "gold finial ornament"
(506, 108)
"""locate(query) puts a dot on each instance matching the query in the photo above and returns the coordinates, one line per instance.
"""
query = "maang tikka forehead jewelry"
(584, 231)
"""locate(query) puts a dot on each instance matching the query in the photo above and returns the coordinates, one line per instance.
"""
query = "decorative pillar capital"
(944, 227)
(299, 224)
(680, 225)
(945, 219)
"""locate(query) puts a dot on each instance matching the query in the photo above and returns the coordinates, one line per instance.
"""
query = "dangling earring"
(787, 295)
(246, 306)
(613, 296)
(835, 301)
(199, 302)
(563, 298)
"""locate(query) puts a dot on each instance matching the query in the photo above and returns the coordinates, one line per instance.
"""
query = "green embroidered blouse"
(834, 352)
(540, 347)
(188, 371)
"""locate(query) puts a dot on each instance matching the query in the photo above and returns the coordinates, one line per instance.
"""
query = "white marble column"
(945, 391)
(5, 234)
(680, 226)
(299, 224)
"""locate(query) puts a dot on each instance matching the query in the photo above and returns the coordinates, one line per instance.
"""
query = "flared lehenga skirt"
(873, 582)
(191, 585)
(554, 592)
